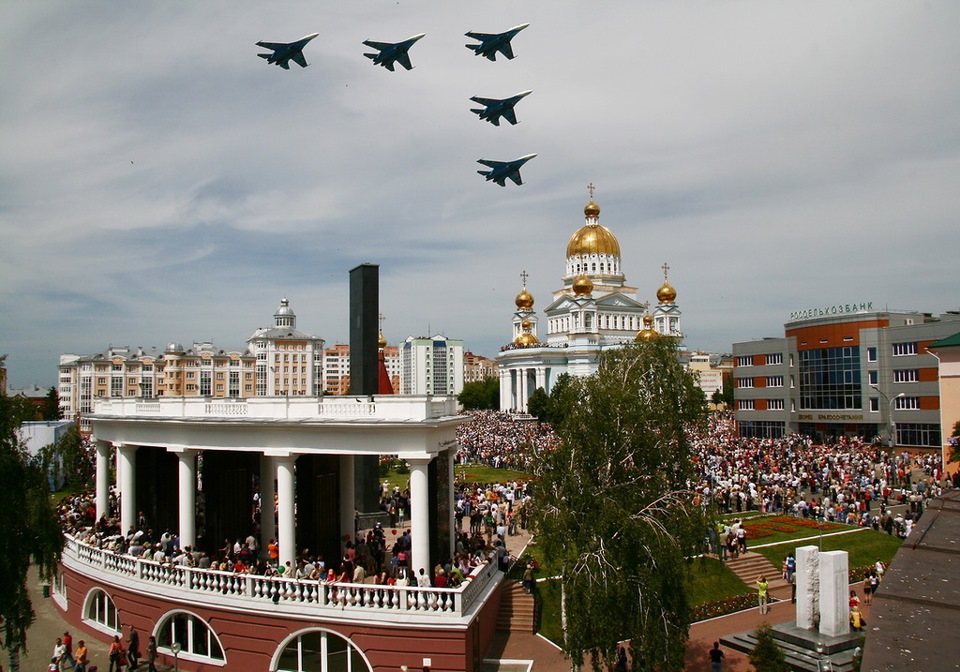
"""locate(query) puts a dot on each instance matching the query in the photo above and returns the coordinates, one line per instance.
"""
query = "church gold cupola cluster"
(593, 310)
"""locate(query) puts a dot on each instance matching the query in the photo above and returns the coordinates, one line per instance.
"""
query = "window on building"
(774, 358)
(745, 404)
(745, 360)
(830, 378)
(902, 349)
(321, 651)
(101, 613)
(906, 375)
(873, 377)
(744, 383)
(907, 403)
(774, 381)
(874, 404)
(775, 404)
(871, 354)
(197, 641)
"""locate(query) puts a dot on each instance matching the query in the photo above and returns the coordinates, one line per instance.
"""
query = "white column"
(126, 464)
(807, 577)
(103, 478)
(834, 600)
(542, 378)
(268, 490)
(420, 515)
(287, 538)
(187, 487)
(348, 499)
(505, 390)
(522, 390)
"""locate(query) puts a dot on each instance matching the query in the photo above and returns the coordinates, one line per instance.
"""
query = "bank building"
(593, 310)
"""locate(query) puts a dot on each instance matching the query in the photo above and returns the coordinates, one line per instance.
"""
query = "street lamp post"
(891, 425)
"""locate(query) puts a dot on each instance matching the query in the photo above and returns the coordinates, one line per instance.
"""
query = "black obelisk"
(364, 379)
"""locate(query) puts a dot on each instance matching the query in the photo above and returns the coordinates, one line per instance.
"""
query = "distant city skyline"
(167, 184)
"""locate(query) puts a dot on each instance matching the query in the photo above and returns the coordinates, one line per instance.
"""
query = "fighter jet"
(391, 52)
(495, 108)
(501, 170)
(283, 52)
(491, 44)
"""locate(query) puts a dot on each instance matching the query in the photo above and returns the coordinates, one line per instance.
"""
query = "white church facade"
(593, 310)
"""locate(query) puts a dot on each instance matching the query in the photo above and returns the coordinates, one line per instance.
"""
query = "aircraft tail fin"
(476, 111)
(372, 57)
(265, 56)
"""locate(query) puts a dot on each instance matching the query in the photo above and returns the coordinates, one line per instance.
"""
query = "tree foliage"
(480, 395)
(613, 509)
(767, 656)
(538, 405)
(29, 528)
(51, 406)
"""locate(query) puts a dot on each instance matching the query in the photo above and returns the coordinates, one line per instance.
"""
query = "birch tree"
(29, 528)
(613, 511)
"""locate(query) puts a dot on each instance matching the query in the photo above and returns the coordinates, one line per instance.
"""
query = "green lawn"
(864, 547)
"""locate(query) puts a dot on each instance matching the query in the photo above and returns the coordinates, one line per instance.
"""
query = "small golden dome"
(591, 209)
(666, 293)
(526, 339)
(526, 325)
(382, 341)
(524, 300)
(582, 286)
(648, 333)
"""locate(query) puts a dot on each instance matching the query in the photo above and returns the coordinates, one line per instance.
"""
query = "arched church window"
(101, 613)
(196, 639)
(321, 651)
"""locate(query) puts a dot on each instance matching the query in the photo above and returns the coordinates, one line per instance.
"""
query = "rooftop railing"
(396, 408)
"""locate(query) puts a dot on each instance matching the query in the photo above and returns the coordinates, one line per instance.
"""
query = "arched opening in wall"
(319, 651)
(198, 642)
(100, 613)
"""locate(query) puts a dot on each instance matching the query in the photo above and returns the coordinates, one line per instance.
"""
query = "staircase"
(517, 610)
(749, 566)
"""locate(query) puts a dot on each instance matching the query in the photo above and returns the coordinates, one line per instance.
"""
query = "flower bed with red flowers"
(730, 605)
(758, 528)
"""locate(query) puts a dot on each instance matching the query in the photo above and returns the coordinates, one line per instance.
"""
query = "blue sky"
(160, 182)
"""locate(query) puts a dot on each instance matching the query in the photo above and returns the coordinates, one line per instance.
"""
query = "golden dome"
(582, 286)
(666, 293)
(526, 338)
(382, 341)
(524, 300)
(648, 333)
(591, 209)
(593, 239)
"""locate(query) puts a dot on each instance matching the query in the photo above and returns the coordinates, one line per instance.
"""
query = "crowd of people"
(496, 439)
(847, 480)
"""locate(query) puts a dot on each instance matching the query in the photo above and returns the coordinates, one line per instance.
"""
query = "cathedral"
(594, 310)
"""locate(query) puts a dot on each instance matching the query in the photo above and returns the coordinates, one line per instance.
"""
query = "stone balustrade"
(213, 587)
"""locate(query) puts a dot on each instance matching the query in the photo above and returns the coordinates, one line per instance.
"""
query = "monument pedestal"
(803, 648)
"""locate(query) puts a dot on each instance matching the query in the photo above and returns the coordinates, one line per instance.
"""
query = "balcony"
(252, 592)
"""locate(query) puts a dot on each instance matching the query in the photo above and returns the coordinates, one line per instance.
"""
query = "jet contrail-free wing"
(495, 108)
(284, 52)
(491, 43)
(501, 170)
(392, 52)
